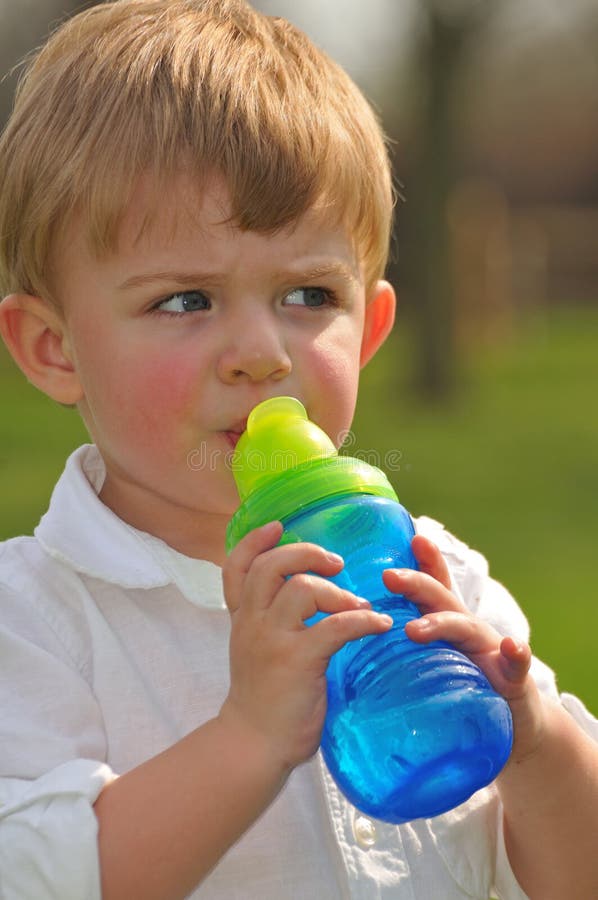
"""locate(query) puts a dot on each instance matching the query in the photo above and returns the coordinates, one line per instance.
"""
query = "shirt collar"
(83, 533)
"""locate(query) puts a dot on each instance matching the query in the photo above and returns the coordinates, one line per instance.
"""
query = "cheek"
(334, 382)
(143, 395)
(159, 387)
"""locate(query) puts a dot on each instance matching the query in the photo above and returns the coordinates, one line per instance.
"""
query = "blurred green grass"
(511, 467)
(36, 436)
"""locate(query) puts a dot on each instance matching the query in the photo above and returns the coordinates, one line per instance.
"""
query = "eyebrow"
(185, 279)
(173, 277)
(335, 269)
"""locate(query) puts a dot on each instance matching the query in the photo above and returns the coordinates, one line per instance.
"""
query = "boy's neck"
(199, 536)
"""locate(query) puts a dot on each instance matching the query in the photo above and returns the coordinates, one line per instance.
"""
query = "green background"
(510, 466)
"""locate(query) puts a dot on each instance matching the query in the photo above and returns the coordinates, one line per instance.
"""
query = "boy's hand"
(278, 664)
(504, 661)
(549, 786)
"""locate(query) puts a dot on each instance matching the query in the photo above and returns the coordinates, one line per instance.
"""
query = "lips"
(233, 433)
(232, 437)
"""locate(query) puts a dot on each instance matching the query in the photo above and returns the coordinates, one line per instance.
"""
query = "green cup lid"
(283, 462)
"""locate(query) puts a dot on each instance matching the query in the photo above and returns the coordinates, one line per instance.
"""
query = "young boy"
(194, 216)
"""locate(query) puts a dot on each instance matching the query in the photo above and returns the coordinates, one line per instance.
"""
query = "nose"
(255, 352)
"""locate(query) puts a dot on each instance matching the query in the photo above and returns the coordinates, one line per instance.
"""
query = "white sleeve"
(52, 747)
(48, 834)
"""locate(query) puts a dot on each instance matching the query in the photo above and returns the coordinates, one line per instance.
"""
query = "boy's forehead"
(161, 208)
(157, 211)
(165, 211)
(186, 211)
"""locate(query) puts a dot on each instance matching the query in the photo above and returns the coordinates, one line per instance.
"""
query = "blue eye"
(308, 296)
(185, 301)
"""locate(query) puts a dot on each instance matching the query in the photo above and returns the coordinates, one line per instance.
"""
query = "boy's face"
(180, 333)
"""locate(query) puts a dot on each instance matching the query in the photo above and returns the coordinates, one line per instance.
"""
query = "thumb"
(430, 560)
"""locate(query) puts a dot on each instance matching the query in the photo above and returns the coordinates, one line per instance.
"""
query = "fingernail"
(363, 602)
(270, 525)
(423, 623)
(402, 573)
(335, 558)
(388, 620)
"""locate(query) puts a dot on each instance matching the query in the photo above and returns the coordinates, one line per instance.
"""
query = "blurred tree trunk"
(431, 175)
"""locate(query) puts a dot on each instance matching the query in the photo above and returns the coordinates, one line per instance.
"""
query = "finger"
(270, 570)
(304, 595)
(430, 559)
(428, 594)
(236, 567)
(469, 635)
(516, 658)
(505, 662)
(333, 632)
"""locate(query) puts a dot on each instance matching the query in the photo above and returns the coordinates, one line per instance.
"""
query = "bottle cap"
(283, 462)
(278, 437)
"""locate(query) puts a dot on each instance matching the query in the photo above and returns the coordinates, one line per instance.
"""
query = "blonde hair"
(143, 85)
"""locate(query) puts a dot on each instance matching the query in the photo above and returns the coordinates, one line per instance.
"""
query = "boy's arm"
(164, 825)
(549, 787)
(550, 800)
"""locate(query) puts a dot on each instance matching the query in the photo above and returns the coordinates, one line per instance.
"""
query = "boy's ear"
(36, 336)
(379, 318)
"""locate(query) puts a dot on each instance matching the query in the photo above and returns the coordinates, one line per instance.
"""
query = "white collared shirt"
(113, 646)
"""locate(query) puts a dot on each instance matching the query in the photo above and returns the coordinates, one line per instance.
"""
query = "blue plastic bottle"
(411, 730)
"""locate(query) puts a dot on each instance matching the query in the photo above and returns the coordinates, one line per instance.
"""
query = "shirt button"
(364, 831)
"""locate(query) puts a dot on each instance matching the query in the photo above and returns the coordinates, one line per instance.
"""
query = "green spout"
(283, 462)
(279, 436)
